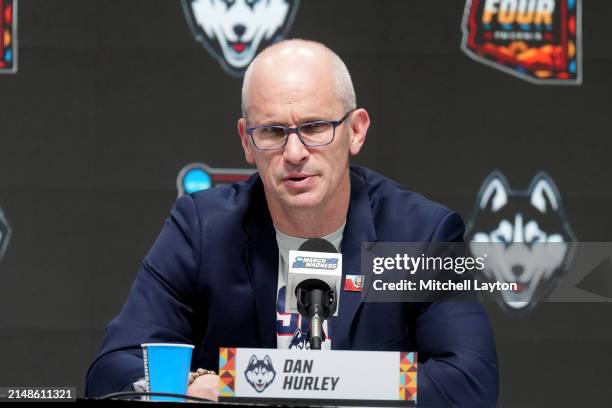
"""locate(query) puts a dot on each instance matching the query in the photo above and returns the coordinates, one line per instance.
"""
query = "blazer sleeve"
(161, 305)
(457, 357)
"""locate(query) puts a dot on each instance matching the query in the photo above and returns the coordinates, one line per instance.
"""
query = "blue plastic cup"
(166, 368)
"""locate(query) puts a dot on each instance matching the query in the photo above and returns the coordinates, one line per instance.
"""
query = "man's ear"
(244, 139)
(359, 122)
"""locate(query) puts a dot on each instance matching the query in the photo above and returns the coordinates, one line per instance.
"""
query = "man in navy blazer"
(212, 277)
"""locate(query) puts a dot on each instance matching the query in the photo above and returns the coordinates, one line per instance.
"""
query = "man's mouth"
(297, 180)
(519, 287)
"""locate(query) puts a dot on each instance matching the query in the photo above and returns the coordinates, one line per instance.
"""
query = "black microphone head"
(318, 245)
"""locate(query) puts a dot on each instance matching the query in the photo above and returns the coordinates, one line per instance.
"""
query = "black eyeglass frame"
(289, 130)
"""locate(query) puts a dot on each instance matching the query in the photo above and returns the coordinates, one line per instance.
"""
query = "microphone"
(313, 285)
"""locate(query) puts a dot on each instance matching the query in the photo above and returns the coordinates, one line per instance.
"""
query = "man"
(216, 273)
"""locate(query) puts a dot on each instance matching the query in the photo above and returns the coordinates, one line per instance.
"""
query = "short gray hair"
(344, 84)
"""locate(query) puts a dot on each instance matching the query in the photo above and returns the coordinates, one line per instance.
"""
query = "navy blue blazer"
(210, 280)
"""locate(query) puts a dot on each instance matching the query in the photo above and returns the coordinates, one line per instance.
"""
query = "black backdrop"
(113, 97)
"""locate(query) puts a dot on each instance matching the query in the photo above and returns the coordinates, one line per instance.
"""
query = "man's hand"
(205, 386)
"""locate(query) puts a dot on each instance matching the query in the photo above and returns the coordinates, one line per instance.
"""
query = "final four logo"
(8, 36)
(234, 30)
(536, 40)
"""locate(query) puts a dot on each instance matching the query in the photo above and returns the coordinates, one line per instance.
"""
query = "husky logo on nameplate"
(5, 233)
(198, 176)
(234, 30)
(536, 40)
(260, 373)
(8, 36)
(525, 237)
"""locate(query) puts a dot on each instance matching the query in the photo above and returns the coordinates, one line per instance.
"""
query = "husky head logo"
(525, 236)
(5, 233)
(260, 373)
(233, 30)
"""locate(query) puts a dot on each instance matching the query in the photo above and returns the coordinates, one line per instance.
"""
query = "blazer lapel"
(262, 262)
(359, 228)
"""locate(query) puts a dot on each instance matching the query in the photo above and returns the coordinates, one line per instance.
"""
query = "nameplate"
(352, 377)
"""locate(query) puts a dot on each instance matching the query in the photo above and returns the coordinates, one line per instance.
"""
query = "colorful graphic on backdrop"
(506, 225)
(536, 40)
(5, 233)
(234, 30)
(198, 176)
(8, 36)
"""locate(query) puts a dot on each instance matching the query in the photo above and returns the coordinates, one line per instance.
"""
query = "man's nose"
(295, 151)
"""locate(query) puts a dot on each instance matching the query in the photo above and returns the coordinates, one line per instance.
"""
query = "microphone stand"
(317, 302)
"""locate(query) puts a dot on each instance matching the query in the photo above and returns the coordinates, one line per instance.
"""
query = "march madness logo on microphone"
(536, 40)
(315, 263)
(234, 30)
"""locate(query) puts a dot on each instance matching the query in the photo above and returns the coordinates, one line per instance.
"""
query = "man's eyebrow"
(305, 119)
(314, 118)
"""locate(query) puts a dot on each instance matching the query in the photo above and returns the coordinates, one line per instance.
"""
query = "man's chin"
(303, 200)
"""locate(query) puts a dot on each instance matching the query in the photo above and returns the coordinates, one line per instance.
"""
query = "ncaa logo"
(526, 238)
(198, 176)
(299, 262)
(234, 30)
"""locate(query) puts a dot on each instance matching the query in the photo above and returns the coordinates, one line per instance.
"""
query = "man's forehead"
(292, 85)
(293, 100)
(278, 71)
(290, 115)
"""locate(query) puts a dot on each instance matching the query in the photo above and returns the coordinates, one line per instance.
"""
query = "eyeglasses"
(311, 134)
